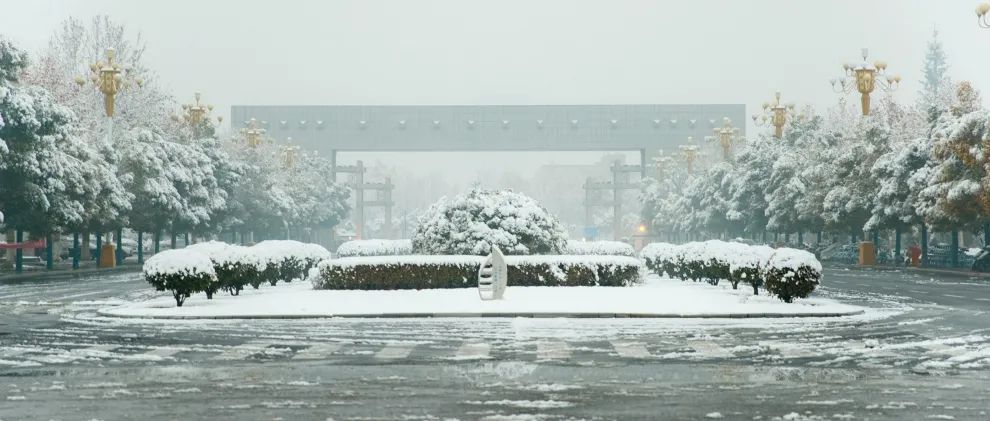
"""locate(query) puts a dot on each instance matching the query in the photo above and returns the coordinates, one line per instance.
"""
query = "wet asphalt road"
(922, 351)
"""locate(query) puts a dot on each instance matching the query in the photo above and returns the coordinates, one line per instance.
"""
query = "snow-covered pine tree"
(936, 87)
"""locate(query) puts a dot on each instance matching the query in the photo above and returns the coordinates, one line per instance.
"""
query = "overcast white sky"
(523, 51)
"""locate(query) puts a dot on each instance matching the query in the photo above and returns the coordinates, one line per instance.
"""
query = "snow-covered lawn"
(655, 298)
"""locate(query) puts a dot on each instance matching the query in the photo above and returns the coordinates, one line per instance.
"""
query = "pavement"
(922, 352)
(64, 272)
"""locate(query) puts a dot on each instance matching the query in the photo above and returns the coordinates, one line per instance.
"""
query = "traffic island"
(654, 298)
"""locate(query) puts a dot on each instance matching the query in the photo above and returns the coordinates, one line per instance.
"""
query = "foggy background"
(452, 52)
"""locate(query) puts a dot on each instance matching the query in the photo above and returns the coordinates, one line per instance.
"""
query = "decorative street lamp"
(194, 113)
(775, 114)
(864, 78)
(661, 162)
(253, 134)
(289, 153)
(982, 11)
(725, 136)
(107, 77)
(691, 153)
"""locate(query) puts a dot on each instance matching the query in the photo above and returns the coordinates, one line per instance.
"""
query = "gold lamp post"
(863, 77)
(982, 11)
(195, 113)
(661, 162)
(107, 76)
(289, 153)
(691, 153)
(725, 136)
(253, 134)
(775, 114)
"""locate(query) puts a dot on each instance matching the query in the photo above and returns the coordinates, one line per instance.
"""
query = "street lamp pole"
(691, 153)
(109, 79)
(725, 136)
(863, 77)
(253, 134)
(195, 113)
(775, 114)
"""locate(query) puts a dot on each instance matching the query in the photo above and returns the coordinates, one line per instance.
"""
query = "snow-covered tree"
(44, 165)
(173, 183)
(952, 187)
(749, 182)
(936, 87)
(317, 201)
(472, 222)
(71, 50)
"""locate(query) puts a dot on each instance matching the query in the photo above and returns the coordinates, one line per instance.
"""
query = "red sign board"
(36, 244)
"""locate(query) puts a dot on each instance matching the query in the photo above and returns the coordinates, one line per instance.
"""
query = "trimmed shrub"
(569, 271)
(430, 272)
(286, 260)
(784, 272)
(599, 248)
(471, 223)
(235, 266)
(746, 265)
(181, 272)
(375, 248)
(398, 272)
(792, 273)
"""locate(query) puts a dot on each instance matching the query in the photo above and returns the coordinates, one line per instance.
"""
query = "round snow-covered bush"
(470, 223)
(600, 248)
(374, 248)
(182, 272)
(792, 273)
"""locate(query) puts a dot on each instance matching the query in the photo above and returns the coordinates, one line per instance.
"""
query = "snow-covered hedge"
(471, 223)
(236, 266)
(603, 248)
(287, 260)
(375, 248)
(182, 272)
(461, 271)
(214, 265)
(784, 272)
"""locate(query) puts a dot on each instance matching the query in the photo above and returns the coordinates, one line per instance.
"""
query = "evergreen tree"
(936, 87)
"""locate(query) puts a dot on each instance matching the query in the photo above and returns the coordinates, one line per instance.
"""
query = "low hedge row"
(438, 272)
(214, 266)
(786, 273)
(355, 248)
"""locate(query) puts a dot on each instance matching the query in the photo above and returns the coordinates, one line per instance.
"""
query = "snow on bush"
(236, 266)
(287, 259)
(792, 273)
(215, 265)
(606, 248)
(182, 272)
(470, 223)
(461, 271)
(784, 272)
(375, 248)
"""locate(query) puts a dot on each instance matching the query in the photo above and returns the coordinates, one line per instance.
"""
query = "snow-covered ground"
(655, 298)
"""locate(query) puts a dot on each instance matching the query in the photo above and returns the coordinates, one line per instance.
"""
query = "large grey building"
(645, 128)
